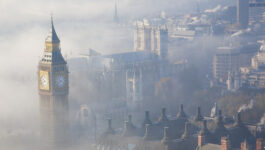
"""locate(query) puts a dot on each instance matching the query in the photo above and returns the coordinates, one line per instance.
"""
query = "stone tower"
(53, 92)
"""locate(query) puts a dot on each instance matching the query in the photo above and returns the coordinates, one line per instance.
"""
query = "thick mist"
(80, 25)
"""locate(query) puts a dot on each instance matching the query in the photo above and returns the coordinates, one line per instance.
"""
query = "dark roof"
(52, 36)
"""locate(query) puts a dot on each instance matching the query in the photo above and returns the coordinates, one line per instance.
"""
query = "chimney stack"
(220, 123)
(163, 117)
(146, 120)
(166, 138)
(201, 140)
(203, 134)
(199, 116)
(225, 143)
(181, 113)
(109, 130)
(147, 135)
(259, 144)
(186, 133)
(245, 145)
(238, 120)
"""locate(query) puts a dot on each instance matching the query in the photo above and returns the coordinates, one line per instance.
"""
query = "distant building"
(257, 12)
(242, 13)
(254, 75)
(151, 39)
(230, 59)
(132, 76)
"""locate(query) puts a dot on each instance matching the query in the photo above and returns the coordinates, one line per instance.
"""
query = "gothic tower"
(53, 92)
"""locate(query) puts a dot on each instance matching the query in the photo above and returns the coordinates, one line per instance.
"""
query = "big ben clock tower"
(53, 92)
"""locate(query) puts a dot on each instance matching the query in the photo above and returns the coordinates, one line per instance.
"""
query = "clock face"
(60, 81)
(44, 80)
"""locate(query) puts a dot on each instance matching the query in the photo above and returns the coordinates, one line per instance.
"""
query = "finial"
(51, 18)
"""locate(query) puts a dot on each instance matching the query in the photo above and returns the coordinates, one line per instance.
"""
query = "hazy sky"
(80, 24)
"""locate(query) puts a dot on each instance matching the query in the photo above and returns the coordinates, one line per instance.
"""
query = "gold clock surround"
(44, 74)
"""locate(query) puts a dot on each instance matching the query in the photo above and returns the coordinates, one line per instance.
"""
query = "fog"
(80, 25)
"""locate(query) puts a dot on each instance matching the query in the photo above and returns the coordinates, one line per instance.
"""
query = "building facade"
(228, 60)
(151, 39)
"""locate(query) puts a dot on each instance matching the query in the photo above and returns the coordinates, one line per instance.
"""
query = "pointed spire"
(52, 36)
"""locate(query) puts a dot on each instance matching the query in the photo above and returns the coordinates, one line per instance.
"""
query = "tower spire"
(52, 36)
(52, 41)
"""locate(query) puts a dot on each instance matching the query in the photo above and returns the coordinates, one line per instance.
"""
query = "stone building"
(151, 39)
(132, 76)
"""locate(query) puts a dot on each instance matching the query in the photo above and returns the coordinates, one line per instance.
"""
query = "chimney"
(130, 123)
(225, 143)
(130, 118)
(165, 139)
(220, 123)
(203, 134)
(147, 135)
(181, 113)
(238, 120)
(245, 145)
(125, 129)
(259, 144)
(147, 119)
(109, 130)
(186, 133)
(163, 117)
(199, 116)
(201, 140)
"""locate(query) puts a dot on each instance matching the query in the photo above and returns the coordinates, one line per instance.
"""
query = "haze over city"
(132, 74)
